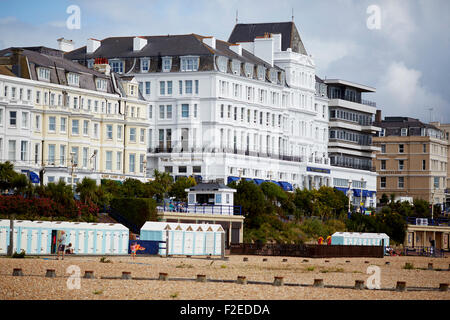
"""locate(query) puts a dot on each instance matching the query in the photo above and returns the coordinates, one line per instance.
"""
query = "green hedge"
(135, 210)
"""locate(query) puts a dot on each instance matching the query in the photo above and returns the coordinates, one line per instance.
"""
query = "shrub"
(20, 255)
(408, 266)
(135, 210)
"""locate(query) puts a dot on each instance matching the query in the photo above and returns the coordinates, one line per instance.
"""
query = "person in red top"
(320, 240)
(329, 240)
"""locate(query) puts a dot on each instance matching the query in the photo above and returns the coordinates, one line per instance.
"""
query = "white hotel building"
(224, 110)
(248, 108)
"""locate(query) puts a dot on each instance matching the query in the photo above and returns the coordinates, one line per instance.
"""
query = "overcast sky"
(406, 60)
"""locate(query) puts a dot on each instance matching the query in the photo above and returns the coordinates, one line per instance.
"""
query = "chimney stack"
(237, 48)
(65, 45)
(139, 43)
(210, 41)
(378, 116)
(92, 45)
(101, 65)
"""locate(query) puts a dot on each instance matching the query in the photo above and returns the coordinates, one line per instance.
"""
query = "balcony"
(209, 209)
(268, 155)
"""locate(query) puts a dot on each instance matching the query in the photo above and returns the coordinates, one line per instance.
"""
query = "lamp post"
(349, 193)
(72, 156)
(362, 185)
(432, 204)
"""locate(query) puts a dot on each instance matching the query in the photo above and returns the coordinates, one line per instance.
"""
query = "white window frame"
(166, 64)
(73, 79)
(147, 60)
(189, 63)
(43, 74)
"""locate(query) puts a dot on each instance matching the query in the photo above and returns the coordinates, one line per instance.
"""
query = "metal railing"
(424, 251)
(201, 209)
(428, 221)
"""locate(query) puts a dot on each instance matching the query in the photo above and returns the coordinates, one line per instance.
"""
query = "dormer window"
(73, 79)
(261, 72)
(90, 63)
(166, 64)
(282, 77)
(132, 90)
(44, 74)
(145, 64)
(116, 66)
(101, 84)
(249, 70)
(222, 64)
(189, 63)
(235, 67)
(273, 76)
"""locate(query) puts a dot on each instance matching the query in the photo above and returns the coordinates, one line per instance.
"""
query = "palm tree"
(7, 174)
(20, 183)
(60, 192)
(87, 190)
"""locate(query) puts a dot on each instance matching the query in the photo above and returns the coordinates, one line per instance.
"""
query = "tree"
(87, 189)
(7, 175)
(177, 190)
(132, 188)
(304, 200)
(59, 192)
(273, 192)
(421, 208)
(252, 201)
(393, 224)
(384, 199)
(160, 185)
(20, 183)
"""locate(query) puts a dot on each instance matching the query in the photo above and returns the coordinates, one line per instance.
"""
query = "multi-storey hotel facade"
(251, 107)
(62, 121)
(227, 110)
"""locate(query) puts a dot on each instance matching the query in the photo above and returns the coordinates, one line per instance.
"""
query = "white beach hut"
(359, 239)
(185, 238)
(39, 237)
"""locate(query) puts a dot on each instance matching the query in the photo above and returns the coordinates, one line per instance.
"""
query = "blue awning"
(231, 179)
(344, 190)
(274, 182)
(366, 193)
(258, 181)
(286, 186)
(249, 180)
(34, 177)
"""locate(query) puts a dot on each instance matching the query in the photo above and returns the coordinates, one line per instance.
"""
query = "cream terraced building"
(71, 121)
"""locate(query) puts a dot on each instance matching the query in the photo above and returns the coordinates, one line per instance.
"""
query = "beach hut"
(359, 239)
(39, 237)
(185, 238)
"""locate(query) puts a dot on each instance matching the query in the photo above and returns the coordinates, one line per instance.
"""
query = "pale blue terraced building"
(39, 237)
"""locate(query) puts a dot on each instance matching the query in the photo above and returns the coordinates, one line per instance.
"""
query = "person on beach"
(69, 249)
(61, 245)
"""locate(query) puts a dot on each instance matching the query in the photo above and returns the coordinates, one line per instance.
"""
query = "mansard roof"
(161, 46)
(58, 65)
(290, 37)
